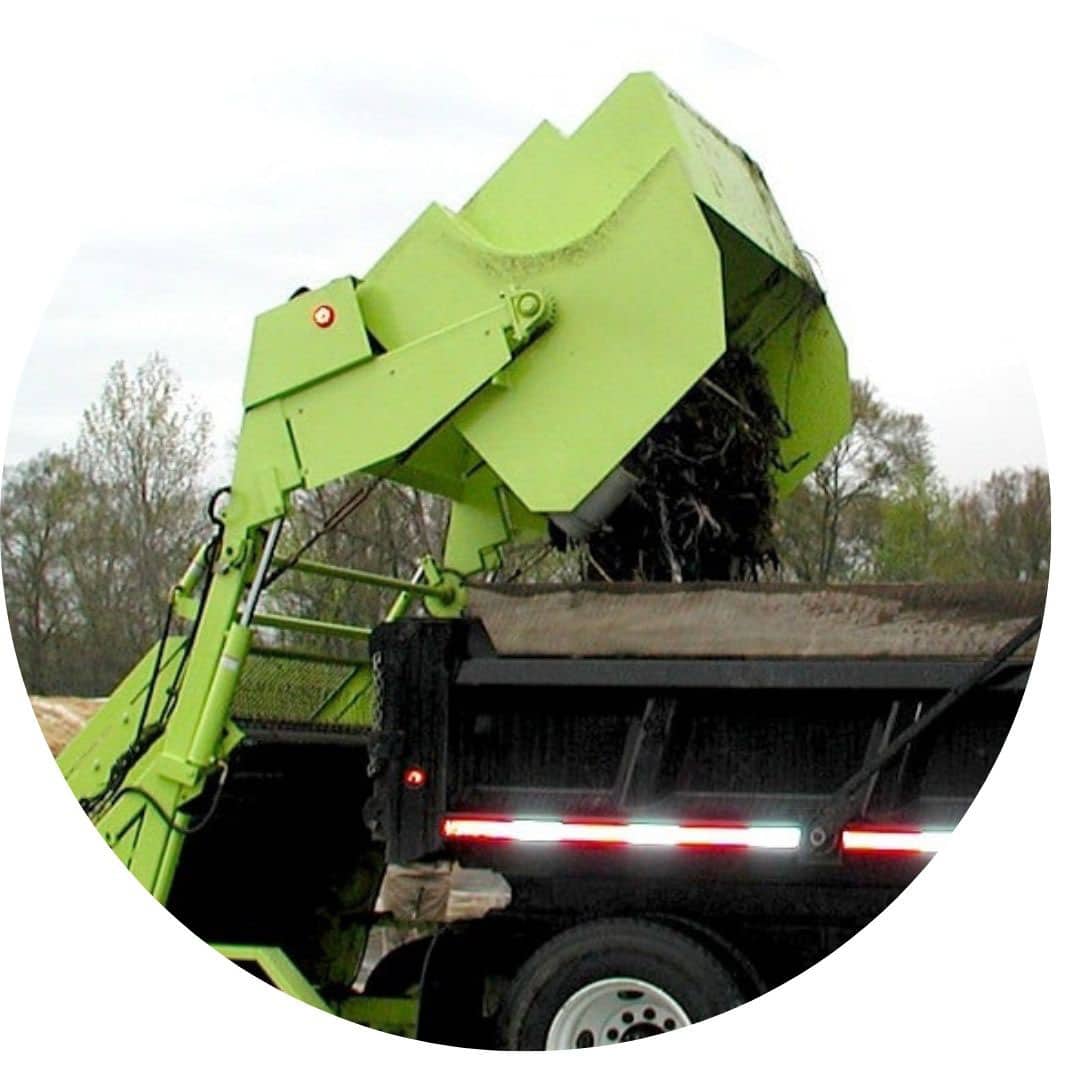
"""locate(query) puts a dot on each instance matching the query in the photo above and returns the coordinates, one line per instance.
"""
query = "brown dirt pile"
(767, 620)
(62, 718)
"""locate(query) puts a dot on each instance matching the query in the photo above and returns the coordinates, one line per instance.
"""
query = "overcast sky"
(302, 165)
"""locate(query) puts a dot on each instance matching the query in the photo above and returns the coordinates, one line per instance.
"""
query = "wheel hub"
(614, 1010)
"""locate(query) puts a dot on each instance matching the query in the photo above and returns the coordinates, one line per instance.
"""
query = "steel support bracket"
(452, 602)
(178, 770)
(822, 833)
(530, 312)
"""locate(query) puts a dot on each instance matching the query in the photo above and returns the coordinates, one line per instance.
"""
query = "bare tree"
(142, 450)
(1004, 526)
(40, 500)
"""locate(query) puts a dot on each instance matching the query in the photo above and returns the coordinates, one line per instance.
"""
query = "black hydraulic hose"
(171, 822)
(211, 508)
(209, 558)
(351, 504)
(163, 637)
(144, 737)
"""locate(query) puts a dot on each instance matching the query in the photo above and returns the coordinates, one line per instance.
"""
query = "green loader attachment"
(508, 357)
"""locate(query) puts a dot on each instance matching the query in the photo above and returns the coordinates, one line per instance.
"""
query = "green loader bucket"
(662, 248)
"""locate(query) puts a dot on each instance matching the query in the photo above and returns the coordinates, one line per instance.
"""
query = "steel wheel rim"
(611, 1011)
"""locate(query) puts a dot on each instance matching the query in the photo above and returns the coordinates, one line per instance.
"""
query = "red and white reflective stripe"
(925, 842)
(633, 834)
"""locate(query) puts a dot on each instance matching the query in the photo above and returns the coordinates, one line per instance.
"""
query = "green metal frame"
(507, 357)
(397, 1015)
(312, 626)
(278, 969)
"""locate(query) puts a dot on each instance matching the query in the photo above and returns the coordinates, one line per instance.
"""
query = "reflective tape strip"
(634, 834)
(925, 842)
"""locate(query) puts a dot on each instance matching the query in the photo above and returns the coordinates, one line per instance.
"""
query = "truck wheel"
(612, 981)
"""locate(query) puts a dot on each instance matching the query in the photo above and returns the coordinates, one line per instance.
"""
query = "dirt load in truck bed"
(762, 620)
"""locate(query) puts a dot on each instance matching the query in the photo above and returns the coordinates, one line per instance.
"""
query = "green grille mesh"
(282, 689)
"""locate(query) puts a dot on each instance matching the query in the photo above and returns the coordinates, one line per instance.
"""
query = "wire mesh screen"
(280, 689)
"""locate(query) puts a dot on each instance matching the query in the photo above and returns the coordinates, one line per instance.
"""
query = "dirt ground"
(62, 718)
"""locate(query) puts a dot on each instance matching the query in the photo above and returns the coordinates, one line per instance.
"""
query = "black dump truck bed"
(679, 755)
(674, 704)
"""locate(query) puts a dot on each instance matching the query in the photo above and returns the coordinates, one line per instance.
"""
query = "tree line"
(93, 536)
(878, 509)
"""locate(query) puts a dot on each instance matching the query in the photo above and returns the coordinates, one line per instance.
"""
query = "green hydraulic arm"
(507, 357)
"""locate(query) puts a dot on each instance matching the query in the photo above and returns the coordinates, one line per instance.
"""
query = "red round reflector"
(414, 777)
(323, 316)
